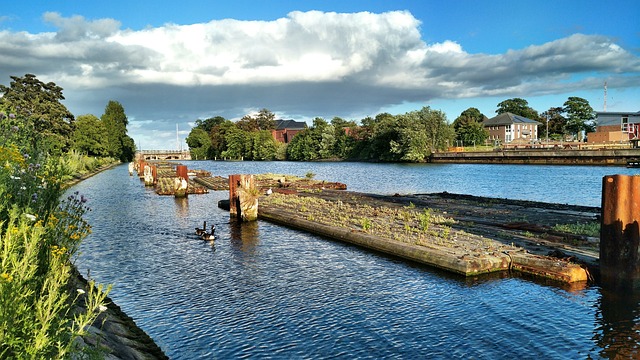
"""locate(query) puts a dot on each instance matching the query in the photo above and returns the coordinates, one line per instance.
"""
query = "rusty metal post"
(154, 173)
(234, 202)
(141, 165)
(182, 172)
(619, 231)
(243, 203)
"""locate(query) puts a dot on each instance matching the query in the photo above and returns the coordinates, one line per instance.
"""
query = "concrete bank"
(614, 157)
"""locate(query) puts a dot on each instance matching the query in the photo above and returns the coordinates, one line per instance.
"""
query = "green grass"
(587, 229)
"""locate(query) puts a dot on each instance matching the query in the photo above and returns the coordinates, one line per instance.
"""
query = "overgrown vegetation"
(588, 229)
(39, 235)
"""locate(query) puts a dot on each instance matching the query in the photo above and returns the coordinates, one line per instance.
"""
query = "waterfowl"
(209, 236)
(269, 192)
(200, 231)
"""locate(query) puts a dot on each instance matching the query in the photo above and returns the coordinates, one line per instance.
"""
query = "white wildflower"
(30, 217)
(80, 291)
(102, 308)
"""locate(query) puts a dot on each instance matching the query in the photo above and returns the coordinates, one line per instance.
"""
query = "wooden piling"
(181, 181)
(620, 232)
(243, 197)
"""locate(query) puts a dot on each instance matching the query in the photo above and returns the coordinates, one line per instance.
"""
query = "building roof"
(290, 124)
(635, 113)
(508, 119)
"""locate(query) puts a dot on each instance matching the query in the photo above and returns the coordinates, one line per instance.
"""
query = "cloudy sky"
(172, 62)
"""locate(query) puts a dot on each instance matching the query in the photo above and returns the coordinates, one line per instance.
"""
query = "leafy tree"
(472, 133)
(209, 123)
(302, 147)
(39, 104)
(421, 133)
(218, 138)
(264, 120)
(343, 141)
(518, 106)
(557, 123)
(236, 140)
(580, 116)
(468, 127)
(264, 146)
(199, 143)
(88, 136)
(119, 144)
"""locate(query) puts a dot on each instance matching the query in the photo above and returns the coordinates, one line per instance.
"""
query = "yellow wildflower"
(6, 277)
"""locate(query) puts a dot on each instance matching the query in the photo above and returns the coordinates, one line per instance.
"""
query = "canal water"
(261, 290)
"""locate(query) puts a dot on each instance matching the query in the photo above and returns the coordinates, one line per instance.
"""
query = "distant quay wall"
(613, 157)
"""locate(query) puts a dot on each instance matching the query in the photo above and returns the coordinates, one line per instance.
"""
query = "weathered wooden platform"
(462, 234)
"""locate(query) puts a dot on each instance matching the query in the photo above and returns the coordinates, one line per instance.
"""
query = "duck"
(200, 231)
(269, 192)
(209, 236)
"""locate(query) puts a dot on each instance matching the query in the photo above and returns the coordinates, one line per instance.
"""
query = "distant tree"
(580, 116)
(88, 136)
(38, 103)
(119, 144)
(468, 127)
(218, 140)
(421, 133)
(263, 145)
(557, 123)
(517, 106)
(264, 120)
(344, 142)
(209, 123)
(236, 144)
(199, 143)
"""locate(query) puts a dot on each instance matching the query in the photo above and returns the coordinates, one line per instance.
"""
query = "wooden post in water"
(141, 165)
(243, 197)
(181, 182)
(148, 175)
(620, 231)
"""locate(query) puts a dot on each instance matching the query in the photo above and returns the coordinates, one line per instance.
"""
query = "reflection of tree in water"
(244, 237)
(618, 333)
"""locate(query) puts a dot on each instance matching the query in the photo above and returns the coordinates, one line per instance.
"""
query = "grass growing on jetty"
(39, 235)
(409, 224)
(589, 229)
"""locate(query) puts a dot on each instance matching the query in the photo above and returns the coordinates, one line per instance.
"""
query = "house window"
(624, 121)
(507, 128)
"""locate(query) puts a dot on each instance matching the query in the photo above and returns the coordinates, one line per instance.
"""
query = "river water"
(261, 290)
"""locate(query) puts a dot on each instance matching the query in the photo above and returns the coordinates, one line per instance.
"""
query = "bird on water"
(200, 231)
(209, 236)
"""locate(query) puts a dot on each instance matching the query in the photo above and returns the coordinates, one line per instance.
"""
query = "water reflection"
(618, 332)
(182, 206)
(244, 237)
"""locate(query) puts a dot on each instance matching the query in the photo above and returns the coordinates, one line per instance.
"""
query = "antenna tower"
(605, 96)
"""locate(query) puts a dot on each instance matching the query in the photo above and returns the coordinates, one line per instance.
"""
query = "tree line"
(29, 103)
(410, 137)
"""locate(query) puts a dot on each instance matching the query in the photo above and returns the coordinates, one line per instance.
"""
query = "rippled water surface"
(266, 291)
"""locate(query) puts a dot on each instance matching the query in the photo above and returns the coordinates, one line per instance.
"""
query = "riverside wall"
(612, 157)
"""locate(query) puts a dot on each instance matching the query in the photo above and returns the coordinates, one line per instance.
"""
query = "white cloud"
(307, 63)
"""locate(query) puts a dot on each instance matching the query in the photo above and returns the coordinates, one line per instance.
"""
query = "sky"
(170, 63)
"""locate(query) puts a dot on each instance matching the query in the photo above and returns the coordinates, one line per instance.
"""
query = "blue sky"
(173, 62)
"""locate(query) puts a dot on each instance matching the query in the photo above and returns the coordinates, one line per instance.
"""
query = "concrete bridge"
(163, 155)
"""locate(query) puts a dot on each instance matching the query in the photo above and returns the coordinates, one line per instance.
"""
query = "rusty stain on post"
(619, 230)
(242, 201)
(182, 172)
(234, 206)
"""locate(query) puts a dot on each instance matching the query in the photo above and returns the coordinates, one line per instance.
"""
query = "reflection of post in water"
(182, 206)
(244, 235)
(619, 330)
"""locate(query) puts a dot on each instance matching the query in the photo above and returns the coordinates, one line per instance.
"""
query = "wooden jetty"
(463, 234)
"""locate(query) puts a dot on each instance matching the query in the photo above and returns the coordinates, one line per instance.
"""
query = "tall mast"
(605, 96)
(177, 138)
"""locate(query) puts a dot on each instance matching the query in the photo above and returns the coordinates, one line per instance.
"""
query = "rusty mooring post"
(181, 181)
(141, 165)
(620, 231)
(243, 197)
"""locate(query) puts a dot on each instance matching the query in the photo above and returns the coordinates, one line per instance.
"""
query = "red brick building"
(286, 129)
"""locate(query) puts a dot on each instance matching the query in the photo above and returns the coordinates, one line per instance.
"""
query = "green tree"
(237, 141)
(421, 133)
(303, 147)
(199, 143)
(119, 144)
(264, 146)
(580, 116)
(218, 138)
(557, 123)
(38, 103)
(209, 123)
(518, 106)
(468, 127)
(88, 136)
(264, 120)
